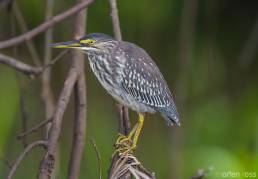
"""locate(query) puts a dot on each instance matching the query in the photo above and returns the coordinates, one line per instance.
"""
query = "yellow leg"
(138, 129)
(126, 144)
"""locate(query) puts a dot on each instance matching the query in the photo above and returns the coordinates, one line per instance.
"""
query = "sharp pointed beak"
(69, 44)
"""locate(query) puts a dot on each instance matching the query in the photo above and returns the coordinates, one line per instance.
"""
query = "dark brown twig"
(27, 150)
(41, 28)
(34, 129)
(80, 101)
(98, 157)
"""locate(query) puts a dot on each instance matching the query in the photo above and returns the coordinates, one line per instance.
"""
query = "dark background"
(207, 51)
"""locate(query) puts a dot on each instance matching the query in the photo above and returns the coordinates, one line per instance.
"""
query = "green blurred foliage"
(219, 161)
(215, 88)
(9, 103)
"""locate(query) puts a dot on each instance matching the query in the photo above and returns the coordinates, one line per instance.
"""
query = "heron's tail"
(170, 114)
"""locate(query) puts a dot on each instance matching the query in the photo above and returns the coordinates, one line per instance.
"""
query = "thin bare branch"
(80, 101)
(41, 28)
(79, 129)
(34, 129)
(27, 150)
(123, 119)
(48, 161)
(47, 92)
(115, 20)
(20, 66)
(98, 157)
(25, 68)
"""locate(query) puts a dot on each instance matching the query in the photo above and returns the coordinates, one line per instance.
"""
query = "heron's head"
(96, 42)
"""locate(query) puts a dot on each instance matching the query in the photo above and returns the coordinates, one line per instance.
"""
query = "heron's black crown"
(97, 36)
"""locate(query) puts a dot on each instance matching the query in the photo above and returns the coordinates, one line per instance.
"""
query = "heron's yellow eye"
(91, 42)
(88, 41)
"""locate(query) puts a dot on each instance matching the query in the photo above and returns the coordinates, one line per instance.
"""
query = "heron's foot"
(129, 150)
(124, 144)
(125, 150)
(127, 144)
(123, 141)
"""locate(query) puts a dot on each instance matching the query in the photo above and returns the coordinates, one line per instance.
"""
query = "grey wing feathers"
(143, 80)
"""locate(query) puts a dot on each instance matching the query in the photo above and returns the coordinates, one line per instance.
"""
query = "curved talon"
(121, 149)
(120, 137)
(128, 150)
(124, 145)
(123, 140)
(125, 150)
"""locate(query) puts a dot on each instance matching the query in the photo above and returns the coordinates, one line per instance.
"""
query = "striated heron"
(129, 74)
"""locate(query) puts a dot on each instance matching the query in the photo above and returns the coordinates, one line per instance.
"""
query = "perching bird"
(129, 74)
